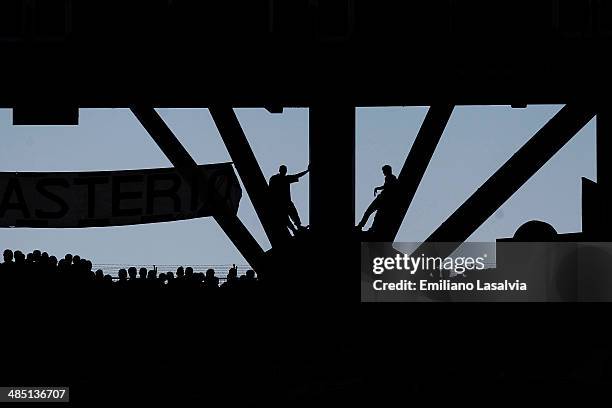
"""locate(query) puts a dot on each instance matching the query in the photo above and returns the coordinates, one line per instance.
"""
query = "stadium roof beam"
(332, 178)
(248, 169)
(513, 174)
(186, 166)
(416, 164)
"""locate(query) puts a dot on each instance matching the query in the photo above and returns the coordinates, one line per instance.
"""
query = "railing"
(221, 270)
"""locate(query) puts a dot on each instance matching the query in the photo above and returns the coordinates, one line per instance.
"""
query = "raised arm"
(298, 175)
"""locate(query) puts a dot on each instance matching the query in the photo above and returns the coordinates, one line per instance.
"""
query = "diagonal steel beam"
(415, 166)
(513, 174)
(187, 167)
(249, 171)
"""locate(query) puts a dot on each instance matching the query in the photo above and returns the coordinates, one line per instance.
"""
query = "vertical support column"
(604, 148)
(596, 222)
(332, 174)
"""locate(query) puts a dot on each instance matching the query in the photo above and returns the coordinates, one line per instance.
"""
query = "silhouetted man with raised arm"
(388, 188)
(280, 191)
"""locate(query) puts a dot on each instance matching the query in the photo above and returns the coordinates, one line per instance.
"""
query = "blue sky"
(477, 141)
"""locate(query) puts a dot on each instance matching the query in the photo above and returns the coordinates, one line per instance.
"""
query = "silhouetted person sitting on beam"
(280, 190)
(382, 199)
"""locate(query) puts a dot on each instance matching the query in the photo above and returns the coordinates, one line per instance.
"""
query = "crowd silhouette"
(41, 270)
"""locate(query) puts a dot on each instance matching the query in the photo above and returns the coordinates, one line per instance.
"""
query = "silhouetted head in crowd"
(210, 280)
(152, 274)
(232, 274)
(142, 273)
(387, 170)
(122, 274)
(36, 255)
(68, 258)
(52, 261)
(189, 272)
(76, 259)
(7, 255)
(132, 272)
(19, 257)
(282, 170)
(250, 274)
(162, 277)
(180, 272)
(169, 276)
(100, 274)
